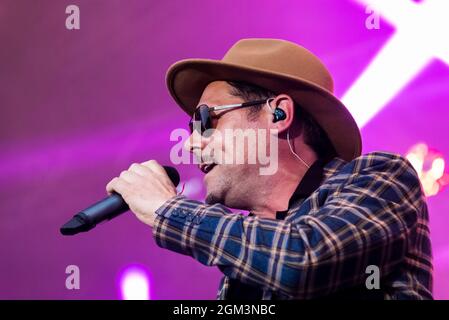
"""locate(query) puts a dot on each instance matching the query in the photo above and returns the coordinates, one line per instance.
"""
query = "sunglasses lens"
(201, 120)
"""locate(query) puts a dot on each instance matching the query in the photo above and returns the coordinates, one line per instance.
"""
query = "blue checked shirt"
(370, 211)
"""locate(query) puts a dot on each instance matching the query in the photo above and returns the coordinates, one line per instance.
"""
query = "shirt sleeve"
(371, 218)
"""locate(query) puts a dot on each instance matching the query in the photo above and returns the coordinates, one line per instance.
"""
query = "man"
(317, 225)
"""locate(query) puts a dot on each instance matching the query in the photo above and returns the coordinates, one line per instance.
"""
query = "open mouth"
(206, 168)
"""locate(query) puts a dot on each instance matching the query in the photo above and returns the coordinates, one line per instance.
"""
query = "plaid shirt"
(370, 211)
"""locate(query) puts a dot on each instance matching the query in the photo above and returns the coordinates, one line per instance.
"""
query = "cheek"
(214, 149)
(217, 142)
(224, 131)
(234, 147)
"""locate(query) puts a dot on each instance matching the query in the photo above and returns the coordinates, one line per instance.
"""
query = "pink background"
(78, 107)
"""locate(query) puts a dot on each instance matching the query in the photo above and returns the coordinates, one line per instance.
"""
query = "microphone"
(106, 209)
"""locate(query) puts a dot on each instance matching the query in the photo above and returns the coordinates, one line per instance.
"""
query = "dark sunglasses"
(202, 120)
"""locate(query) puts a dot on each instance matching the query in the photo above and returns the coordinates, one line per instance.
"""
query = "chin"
(212, 199)
(214, 189)
(215, 195)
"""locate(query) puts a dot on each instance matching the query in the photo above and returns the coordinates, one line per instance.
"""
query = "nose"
(195, 142)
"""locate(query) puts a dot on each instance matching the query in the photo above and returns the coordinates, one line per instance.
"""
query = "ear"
(287, 105)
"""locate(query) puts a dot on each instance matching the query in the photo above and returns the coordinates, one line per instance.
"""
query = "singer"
(316, 224)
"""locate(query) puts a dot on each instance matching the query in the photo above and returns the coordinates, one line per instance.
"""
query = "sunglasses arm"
(238, 105)
(229, 106)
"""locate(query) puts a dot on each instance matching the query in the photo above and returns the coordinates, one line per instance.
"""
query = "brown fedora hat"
(279, 66)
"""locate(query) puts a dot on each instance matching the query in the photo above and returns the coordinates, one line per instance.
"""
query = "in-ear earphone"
(279, 115)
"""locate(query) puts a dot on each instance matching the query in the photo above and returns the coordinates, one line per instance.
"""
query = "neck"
(276, 190)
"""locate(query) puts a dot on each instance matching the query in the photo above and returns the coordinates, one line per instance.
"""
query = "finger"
(154, 166)
(117, 185)
(130, 177)
(139, 169)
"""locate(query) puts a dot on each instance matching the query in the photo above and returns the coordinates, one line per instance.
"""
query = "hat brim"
(187, 79)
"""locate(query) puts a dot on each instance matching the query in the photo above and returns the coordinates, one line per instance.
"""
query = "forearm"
(299, 260)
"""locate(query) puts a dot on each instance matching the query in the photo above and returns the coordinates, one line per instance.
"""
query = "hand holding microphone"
(143, 188)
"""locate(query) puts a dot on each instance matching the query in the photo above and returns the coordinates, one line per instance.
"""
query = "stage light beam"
(420, 37)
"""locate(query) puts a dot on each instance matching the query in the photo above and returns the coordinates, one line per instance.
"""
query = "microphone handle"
(104, 210)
